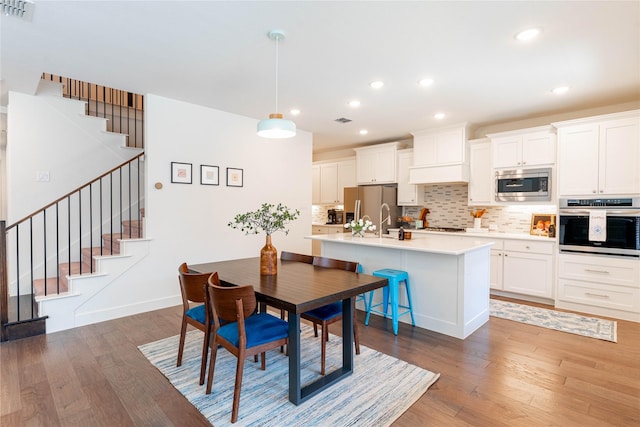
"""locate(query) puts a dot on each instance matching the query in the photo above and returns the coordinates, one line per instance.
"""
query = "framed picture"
(234, 177)
(181, 173)
(540, 224)
(209, 175)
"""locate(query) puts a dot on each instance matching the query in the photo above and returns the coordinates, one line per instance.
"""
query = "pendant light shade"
(276, 126)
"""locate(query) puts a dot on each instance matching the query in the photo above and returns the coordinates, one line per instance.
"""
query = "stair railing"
(124, 110)
(35, 246)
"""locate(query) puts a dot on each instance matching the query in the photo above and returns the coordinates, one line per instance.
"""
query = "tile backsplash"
(448, 206)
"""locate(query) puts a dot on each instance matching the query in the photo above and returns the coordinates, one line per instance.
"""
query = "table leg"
(347, 335)
(295, 392)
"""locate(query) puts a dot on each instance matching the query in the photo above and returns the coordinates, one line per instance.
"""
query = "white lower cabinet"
(602, 285)
(523, 267)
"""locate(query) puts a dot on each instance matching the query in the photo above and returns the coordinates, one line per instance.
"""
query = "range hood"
(439, 174)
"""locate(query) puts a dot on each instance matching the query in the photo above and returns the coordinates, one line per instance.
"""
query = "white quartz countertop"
(489, 234)
(431, 244)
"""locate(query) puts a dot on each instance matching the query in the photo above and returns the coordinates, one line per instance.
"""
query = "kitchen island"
(449, 279)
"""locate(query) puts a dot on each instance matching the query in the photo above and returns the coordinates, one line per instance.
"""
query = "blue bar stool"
(394, 277)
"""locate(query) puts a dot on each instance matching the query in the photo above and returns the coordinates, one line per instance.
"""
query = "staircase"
(53, 275)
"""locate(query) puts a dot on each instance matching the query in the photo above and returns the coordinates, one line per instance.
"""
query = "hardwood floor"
(505, 374)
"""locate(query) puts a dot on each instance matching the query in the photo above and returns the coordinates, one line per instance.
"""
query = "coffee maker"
(335, 216)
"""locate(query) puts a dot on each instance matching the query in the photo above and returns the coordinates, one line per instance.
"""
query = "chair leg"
(212, 365)
(325, 338)
(205, 353)
(263, 356)
(238, 386)
(315, 329)
(183, 332)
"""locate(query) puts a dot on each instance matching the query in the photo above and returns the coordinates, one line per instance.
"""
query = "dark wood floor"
(505, 374)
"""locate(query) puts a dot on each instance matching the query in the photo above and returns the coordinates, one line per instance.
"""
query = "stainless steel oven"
(523, 185)
(620, 236)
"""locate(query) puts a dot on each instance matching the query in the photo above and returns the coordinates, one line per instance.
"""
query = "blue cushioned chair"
(247, 333)
(331, 313)
(194, 311)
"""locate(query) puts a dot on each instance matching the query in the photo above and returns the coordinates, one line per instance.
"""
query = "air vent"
(342, 120)
(17, 8)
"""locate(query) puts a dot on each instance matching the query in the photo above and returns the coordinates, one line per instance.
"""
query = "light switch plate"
(42, 176)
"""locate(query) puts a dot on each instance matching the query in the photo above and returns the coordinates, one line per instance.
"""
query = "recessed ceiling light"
(560, 90)
(295, 112)
(526, 35)
(425, 82)
(439, 116)
(363, 131)
(354, 103)
(377, 84)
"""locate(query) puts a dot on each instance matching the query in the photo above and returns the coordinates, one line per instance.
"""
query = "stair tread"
(101, 251)
(75, 268)
(51, 284)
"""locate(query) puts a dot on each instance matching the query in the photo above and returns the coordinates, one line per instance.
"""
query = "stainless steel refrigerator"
(371, 198)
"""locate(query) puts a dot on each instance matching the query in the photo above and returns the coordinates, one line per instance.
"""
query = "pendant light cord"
(277, 51)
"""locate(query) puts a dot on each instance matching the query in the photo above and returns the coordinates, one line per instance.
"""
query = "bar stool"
(394, 277)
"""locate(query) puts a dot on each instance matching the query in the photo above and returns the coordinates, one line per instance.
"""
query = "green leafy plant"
(269, 218)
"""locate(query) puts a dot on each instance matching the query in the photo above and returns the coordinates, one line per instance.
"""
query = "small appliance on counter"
(335, 216)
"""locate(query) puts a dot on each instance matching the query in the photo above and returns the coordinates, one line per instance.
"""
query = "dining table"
(299, 287)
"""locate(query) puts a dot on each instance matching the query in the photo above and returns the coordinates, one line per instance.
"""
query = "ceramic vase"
(268, 259)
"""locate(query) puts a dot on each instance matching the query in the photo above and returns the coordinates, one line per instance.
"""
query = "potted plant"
(269, 218)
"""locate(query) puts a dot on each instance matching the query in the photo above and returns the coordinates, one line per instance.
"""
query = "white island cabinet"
(449, 278)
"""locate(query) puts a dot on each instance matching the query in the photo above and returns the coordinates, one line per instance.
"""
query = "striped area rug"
(379, 391)
(591, 327)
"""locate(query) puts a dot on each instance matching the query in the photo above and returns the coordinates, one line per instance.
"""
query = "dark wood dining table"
(299, 287)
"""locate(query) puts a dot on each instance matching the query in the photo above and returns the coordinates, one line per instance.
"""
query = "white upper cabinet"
(480, 172)
(330, 179)
(524, 148)
(599, 155)
(408, 194)
(376, 164)
(440, 155)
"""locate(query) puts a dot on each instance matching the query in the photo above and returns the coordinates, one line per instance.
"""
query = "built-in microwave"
(523, 185)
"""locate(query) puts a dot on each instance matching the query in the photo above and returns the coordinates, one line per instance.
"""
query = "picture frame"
(181, 173)
(540, 224)
(209, 175)
(235, 177)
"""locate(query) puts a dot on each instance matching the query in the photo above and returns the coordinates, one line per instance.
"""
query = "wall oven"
(523, 185)
(600, 226)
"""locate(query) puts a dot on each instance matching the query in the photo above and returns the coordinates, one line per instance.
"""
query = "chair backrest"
(291, 256)
(192, 285)
(223, 300)
(338, 264)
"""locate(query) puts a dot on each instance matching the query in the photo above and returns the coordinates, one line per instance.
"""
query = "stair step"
(51, 284)
(74, 270)
(89, 253)
(132, 228)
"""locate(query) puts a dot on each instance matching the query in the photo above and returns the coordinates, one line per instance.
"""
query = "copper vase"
(268, 259)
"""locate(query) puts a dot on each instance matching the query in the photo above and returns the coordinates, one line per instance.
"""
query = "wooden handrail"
(4, 282)
(74, 191)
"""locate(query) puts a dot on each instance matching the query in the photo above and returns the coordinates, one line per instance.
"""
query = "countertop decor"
(359, 227)
(269, 218)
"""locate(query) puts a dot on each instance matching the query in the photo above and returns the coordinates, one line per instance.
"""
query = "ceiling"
(217, 54)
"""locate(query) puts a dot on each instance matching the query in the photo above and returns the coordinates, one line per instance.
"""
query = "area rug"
(377, 393)
(560, 321)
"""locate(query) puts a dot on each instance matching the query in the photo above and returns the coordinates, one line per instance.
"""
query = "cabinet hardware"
(596, 271)
(596, 295)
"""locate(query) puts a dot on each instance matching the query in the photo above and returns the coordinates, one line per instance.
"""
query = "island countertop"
(431, 244)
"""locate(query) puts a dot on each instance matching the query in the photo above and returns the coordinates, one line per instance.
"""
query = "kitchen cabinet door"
(329, 183)
(578, 160)
(408, 194)
(480, 173)
(496, 270)
(315, 184)
(538, 148)
(619, 157)
(439, 147)
(528, 273)
(377, 164)
(524, 148)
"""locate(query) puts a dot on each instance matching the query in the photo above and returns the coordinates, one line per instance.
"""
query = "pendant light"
(276, 126)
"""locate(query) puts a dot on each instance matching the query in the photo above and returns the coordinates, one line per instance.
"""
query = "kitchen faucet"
(387, 219)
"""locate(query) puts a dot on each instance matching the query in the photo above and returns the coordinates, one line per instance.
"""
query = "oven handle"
(609, 213)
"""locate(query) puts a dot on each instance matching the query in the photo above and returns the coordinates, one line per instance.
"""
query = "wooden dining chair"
(195, 312)
(246, 333)
(331, 313)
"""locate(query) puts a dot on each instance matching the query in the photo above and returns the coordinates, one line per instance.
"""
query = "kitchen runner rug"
(560, 321)
(377, 393)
